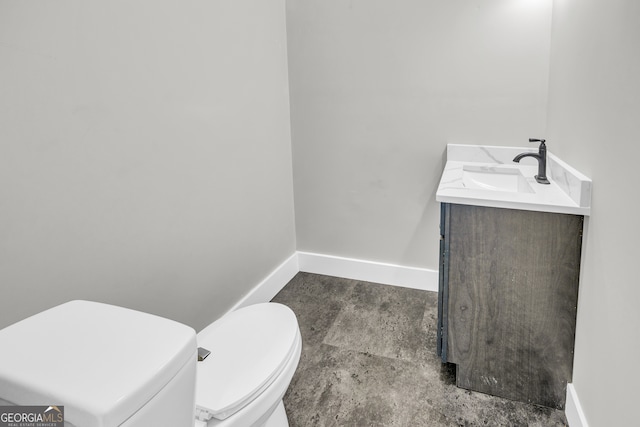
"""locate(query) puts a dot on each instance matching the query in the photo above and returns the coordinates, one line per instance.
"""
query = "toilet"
(109, 366)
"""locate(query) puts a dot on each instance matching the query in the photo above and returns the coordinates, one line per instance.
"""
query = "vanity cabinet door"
(509, 295)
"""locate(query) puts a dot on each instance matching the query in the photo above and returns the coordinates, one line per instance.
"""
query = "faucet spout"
(523, 155)
(541, 157)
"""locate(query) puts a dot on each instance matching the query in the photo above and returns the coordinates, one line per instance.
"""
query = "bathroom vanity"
(509, 271)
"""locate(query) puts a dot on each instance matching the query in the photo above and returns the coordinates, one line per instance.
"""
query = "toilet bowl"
(109, 366)
(254, 353)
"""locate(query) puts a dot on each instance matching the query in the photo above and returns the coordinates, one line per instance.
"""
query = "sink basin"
(495, 178)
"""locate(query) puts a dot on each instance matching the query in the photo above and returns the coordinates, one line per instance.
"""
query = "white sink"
(495, 178)
(483, 175)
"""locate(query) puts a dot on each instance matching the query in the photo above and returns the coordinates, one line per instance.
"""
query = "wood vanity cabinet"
(507, 300)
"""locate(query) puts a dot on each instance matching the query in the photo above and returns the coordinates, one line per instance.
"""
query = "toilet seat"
(232, 376)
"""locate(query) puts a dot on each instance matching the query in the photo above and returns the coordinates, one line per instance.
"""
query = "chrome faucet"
(541, 157)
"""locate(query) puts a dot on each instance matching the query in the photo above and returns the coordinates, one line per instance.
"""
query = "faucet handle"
(537, 140)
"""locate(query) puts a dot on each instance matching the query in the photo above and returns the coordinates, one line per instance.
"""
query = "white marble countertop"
(569, 191)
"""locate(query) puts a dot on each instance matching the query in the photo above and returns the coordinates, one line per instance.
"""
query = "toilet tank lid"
(249, 349)
(101, 362)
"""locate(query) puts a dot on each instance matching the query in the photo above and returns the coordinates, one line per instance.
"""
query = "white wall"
(378, 88)
(594, 123)
(145, 154)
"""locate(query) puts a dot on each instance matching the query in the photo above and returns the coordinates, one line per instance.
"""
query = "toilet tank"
(107, 366)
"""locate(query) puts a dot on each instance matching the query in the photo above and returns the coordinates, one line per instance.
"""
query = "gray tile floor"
(368, 359)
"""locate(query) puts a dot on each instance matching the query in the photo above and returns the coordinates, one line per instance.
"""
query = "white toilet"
(110, 366)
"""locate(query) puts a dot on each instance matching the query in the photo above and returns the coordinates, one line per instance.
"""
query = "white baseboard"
(271, 285)
(349, 268)
(387, 274)
(573, 410)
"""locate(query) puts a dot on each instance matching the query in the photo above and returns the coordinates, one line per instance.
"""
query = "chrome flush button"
(202, 354)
